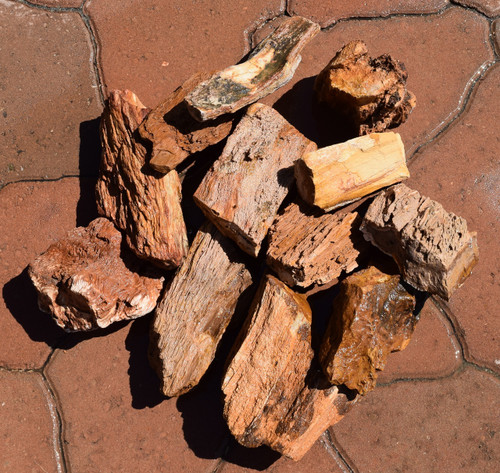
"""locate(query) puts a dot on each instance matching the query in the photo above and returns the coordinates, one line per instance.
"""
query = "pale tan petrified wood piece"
(270, 66)
(85, 284)
(194, 312)
(243, 191)
(142, 203)
(337, 175)
(432, 247)
(372, 316)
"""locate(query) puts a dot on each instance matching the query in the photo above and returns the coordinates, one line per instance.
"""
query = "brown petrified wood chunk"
(174, 134)
(270, 65)
(243, 191)
(371, 91)
(372, 316)
(85, 284)
(432, 247)
(268, 397)
(310, 247)
(337, 175)
(194, 312)
(142, 203)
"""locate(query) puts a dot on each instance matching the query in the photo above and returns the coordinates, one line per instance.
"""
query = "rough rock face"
(268, 397)
(142, 203)
(243, 191)
(270, 66)
(372, 91)
(174, 134)
(195, 311)
(308, 248)
(372, 316)
(433, 248)
(85, 284)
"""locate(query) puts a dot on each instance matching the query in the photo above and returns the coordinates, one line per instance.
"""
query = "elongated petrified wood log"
(243, 191)
(270, 65)
(372, 316)
(432, 247)
(142, 203)
(269, 398)
(372, 92)
(194, 312)
(337, 175)
(308, 248)
(85, 284)
(174, 134)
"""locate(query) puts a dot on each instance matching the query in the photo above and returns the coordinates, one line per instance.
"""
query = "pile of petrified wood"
(276, 390)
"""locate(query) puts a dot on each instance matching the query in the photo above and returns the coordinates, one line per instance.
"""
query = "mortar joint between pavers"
(49, 8)
(218, 467)
(472, 8)
(8, 369)
(484, 369)
(343, 461)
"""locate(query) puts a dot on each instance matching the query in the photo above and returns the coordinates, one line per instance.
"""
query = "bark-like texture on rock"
(432, 247)
(174, 134)
(194, 312)
(84, 283)
(308, 248)
(142, 203)
(268, 397)
(243, 191)
(372, 316)
(371, 91)
(337, 175)
(270, 66)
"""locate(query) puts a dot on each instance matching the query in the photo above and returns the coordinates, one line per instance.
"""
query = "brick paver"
(436, 406)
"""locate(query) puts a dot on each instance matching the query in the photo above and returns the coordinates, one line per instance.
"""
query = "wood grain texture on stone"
(194, 312)
(145, 205)
(174, 134)
(270, 66)
(372, 316)
(432, 247)
(85, 284)
(268, 397)
(308, 248)
(243, 191)
(370, 91)
(343, 173)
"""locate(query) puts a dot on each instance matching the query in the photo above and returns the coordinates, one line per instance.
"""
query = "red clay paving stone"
(327, 12)
(462, 171)
(33, 215)
(27, 430)
(441, 53)
(495, 28)
(433, 350)
(47, 92)
(488, 7)
(108, 429)
(151, 47)
(447, 425)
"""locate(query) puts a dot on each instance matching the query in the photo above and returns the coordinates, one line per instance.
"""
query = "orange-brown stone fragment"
(372, 316)
(271, 394)
(174, 134)
(85, 284)
(142, 203)
(308, 247)
(371, 91)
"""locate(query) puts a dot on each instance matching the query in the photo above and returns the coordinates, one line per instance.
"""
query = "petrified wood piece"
(194, 312)
(337, 175)
(372, 316)
(84, 283)
(268, 398)
(243, 191)
(372, 92)
(174, 134)
(308, 248)
(142, 203)
(432, 247)
(270, 65)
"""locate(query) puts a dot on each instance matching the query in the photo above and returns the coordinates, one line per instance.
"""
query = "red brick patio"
(90, 403)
